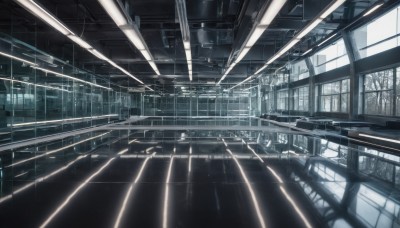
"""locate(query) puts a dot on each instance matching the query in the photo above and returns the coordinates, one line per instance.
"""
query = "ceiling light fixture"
(373, 9)
(183, 21)
(264, 20)
(47, 17)
(326, 12)
(131, 31)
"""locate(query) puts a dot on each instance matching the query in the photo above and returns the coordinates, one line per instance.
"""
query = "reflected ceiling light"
(165, 209)
(72, 195)
(128, 194)
(373, 9)
(250, 188)
(258, 29)
(69, 77)
(17, 58)
(55, 151)
(296, 208)
(326, 12)
(129, 29)
(40, 179)
(184, 24)
(380, 138)
(47, 17)
(38, 85)
(61, 120)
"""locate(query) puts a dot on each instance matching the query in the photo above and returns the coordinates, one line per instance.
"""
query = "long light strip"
(190, 159)
(166, 196)
(130, 30)
(55, 121)
(55, 151)
(380, 138)
(69, 77)
(41, 179)
(47, 17)
(38, 85)
(373, 9)
(128, 194)
(250, 188)
(326, 12)
(17, 58)
(258, 29)
(72, 195)
(185, 30)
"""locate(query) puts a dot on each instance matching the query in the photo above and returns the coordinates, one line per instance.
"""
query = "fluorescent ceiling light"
(332, 8)
(308, 28)
(258, 29)
(38, 85)
(134, 37)
(326, 40)
(255, 36)
(79, 41)
(242, 54)
(373, 9)
(272, 11)
(114, 12)
(185, 31)
(17, 58)
(41, 13)
(146, 55)
(45, 16)
(328, 10)
(305, 53)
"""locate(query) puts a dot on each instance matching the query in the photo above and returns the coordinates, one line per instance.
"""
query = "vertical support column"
(311, 88)
(354, 77)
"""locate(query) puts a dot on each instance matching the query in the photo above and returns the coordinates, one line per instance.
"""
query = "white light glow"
(146, 55)
(38, 85)
(17, 58)
(67, 76)
(380, 138)
(71, 196)
(296, 208)
(332, 8)
(258, 31)
(242, 54)
(114, 12)
(373, 9)
(55, 121)
(55, 151)
(79, 41)
(166, 196)
(275, 174)
(128, 194)
(41, 179)
(250, 188)
(330, 37)
(273, 9)
(45, 16)
(305, 53)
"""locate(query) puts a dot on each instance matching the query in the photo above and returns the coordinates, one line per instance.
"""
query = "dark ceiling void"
(218, 28)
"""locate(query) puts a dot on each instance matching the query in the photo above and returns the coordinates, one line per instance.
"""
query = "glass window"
(300, 99)
(330, 58)
(281, 79)
(282, 100)
(378, 93)
(398, 92)
(335, 96)
(379, 35)
(299, 71)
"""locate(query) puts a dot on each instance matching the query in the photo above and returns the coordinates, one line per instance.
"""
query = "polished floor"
(199, 178)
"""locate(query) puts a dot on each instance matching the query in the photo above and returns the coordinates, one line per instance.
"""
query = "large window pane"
(299, 71)
(330, 58)
(398, 92)
(378, 90)
(335, 96)
(379, 35)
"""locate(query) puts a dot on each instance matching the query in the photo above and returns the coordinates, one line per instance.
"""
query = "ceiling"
(218, 28)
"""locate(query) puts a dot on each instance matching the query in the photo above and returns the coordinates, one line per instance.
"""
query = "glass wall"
(334, 96)
(282, 102)
(331, 57)
(41, 94)
(379, 35)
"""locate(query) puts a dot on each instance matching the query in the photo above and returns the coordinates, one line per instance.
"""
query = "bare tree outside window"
(378, 93)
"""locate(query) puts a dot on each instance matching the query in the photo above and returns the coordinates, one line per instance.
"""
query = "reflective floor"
(208, 178)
